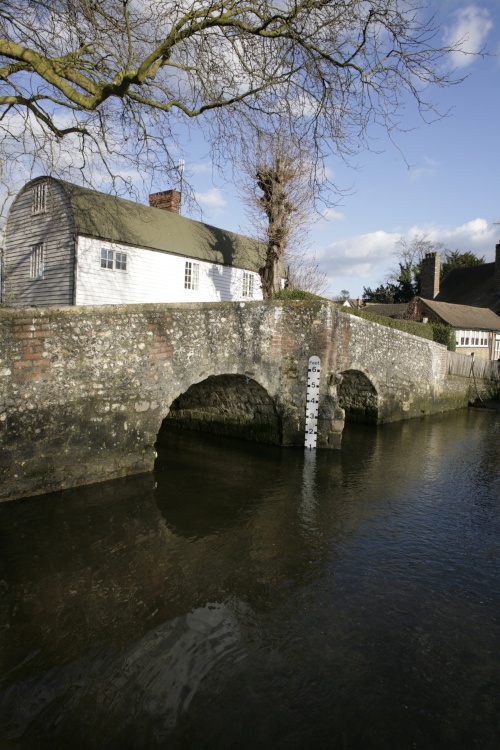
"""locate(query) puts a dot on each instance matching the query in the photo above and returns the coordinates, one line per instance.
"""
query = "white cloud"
(469, 31)
(213, 198)
(477, 236)
(331, 214)
(367, 259)
(429, 170)
(203, 167)
(360, 256)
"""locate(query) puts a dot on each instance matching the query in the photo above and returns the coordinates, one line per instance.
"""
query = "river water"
(248, 596)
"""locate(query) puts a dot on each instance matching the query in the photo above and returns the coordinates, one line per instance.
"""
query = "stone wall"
(84, 391)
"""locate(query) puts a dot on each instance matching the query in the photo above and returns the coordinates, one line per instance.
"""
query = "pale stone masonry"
(84, 391)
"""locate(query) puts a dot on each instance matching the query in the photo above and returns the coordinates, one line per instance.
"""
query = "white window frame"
(120, 261)
(113, 260)
(39, 198)
(470, 338)
(107, 257)
(191, 275)
(248, 285)
(37, 259)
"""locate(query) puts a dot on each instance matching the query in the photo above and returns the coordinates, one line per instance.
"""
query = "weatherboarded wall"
(84, 391)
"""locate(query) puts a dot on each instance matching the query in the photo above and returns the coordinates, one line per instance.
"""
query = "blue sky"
(445, 185)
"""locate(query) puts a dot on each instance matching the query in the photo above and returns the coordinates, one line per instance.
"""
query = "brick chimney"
(496, 278)
(167, 200)
(429, 280)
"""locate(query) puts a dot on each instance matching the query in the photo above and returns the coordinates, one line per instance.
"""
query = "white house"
(69, 245)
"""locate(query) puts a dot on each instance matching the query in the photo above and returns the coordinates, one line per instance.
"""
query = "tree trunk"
(272, 273)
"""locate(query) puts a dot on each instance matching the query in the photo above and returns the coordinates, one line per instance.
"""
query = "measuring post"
(312, 402)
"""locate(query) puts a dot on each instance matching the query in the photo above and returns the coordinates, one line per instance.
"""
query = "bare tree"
(279, 186)
(403, 281)
(86, 85)
(304, 271)
(410, 254)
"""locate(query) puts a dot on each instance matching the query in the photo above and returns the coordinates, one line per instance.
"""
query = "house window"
(106, 258)
(111, 259)
(121, 261)
(247, 284)
(36, 261)
(39, 198)
(191, 275)
(472, 338)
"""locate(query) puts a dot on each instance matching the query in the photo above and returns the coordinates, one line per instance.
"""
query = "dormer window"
(39, 198)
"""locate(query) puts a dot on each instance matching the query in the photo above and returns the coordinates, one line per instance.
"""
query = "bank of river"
(250, 596)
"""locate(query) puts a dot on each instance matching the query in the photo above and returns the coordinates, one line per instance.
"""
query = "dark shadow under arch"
(231, 405)
(358, 397)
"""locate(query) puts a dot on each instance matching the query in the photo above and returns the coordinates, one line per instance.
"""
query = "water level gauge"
(312, 402)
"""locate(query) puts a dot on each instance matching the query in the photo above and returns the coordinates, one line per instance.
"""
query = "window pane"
(187, 275)
(39, 198)
(36, 261)
(121, 261)
(106, 258)
(247, 284)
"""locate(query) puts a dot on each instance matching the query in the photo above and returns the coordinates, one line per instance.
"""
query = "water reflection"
(249, 596)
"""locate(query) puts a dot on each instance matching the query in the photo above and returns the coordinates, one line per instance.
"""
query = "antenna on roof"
(180, 169)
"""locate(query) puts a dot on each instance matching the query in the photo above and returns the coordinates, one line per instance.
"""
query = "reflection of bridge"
(84, 390)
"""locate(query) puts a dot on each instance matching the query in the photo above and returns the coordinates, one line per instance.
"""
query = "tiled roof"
(464, 316)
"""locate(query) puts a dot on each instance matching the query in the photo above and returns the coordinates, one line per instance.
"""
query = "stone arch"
(232, 405)
(358, 397)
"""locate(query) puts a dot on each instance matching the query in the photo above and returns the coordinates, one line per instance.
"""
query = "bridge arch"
(227, 404)
(358, 397)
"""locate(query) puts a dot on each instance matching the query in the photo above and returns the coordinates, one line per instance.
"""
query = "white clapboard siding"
(152, 276)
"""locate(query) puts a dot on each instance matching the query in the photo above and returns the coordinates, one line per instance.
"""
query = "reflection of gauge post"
(312, 402)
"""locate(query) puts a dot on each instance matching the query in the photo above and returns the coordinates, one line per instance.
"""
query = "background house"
(69, 245)
(476, 286)
(477, 329)
(468, 299)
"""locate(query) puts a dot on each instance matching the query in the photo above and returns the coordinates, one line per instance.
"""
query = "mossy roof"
(108, 217)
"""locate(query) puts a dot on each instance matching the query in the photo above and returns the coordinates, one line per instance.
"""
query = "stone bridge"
(84, 391)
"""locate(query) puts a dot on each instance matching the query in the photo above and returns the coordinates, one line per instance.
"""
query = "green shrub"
(408, 326)
(444, 334)
(290, 294)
